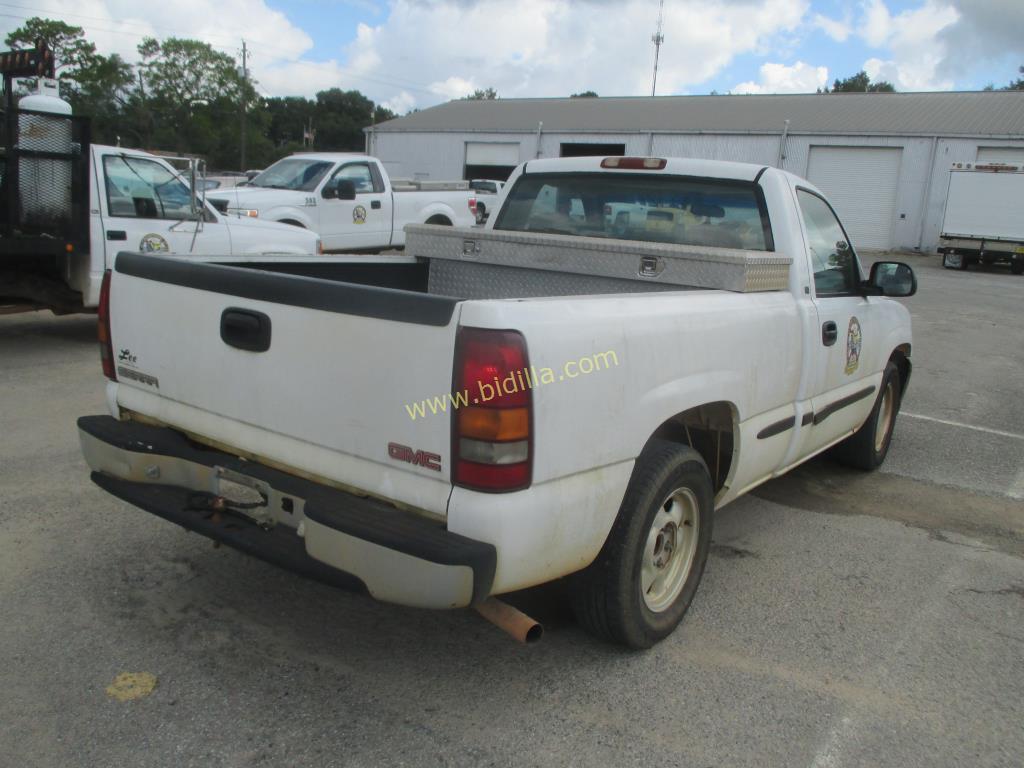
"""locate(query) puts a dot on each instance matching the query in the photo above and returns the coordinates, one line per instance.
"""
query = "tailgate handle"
(245, 329)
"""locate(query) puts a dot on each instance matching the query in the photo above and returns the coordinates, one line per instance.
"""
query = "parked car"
(511, 405)
(347, 199)
(73, 210)
(485, 188)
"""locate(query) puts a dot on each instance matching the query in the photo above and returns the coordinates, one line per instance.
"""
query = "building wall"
(920, 199)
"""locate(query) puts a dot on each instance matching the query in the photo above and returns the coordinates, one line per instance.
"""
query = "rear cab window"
(666, 209)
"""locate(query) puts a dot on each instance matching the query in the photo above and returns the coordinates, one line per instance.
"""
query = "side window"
(836, 272)
(359, 174)
(144, 189)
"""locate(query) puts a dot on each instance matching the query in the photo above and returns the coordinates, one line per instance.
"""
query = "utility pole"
(657, 38)
(245, 82)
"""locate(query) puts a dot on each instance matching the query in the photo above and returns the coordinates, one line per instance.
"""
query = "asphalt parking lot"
(844, 619)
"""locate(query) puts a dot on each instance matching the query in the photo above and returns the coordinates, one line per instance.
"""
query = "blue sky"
(416, 53)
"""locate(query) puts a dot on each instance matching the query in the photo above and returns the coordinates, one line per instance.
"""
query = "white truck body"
(139, 202)
(297, 190)
(774, 377)
(984, 216)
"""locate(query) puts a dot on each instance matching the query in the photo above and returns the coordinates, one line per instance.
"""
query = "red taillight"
(635, 163)
(492, 435)
(472, 205)
(103, 329)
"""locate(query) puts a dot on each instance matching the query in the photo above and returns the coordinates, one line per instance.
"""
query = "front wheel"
(867, 447)
(641, 584)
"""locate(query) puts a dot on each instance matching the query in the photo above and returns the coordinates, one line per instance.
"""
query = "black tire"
(293, 223)
(866, 448)
(1017, 266)
(608, 597)
(442, 220)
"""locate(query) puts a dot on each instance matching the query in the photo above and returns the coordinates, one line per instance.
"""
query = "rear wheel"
(867, 447)
(444, 221)
(641, 584)
(1017, 266)
(954, 261)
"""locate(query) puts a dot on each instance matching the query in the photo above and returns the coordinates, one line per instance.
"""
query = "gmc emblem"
(400, 452)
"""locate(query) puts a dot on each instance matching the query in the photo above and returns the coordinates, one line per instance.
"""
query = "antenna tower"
(657, 38)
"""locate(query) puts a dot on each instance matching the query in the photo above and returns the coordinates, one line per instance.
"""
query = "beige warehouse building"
(883, 158)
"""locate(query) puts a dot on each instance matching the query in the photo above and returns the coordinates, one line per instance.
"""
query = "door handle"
(375, 204)
(116, 234)
(245, 329)
(829, 333)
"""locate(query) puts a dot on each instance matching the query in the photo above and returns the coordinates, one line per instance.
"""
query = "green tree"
(1018, 84)
(104, 89)
(71, 51)
(340, 117)
(584, 95)
(190, 96)
(860, 83)
(485, 94)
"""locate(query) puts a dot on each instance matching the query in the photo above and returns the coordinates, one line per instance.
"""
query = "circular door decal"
(359, 215)
(153, 243)
(853, 345)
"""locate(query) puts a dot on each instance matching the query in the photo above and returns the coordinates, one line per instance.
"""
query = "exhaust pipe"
(511, 620)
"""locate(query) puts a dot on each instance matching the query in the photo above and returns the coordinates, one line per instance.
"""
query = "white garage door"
(861, 184)
(1000, 155)
(488, 153)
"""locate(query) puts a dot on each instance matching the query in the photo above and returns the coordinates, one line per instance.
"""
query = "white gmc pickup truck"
(503, 407)
(348, 199)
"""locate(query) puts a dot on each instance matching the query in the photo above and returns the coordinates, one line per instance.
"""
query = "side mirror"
(892, 278)
(346, 189)
(339, 189)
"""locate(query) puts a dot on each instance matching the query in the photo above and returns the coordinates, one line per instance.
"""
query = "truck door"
(146, 207)
(361, 223)
(844, 388)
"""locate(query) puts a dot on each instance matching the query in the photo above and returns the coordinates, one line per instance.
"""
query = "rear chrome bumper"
(321, 532)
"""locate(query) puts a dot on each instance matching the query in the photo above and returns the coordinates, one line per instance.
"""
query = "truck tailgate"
(291, 370)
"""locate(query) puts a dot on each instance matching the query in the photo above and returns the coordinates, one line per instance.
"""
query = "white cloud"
(837, 30)
(453, 88)
(449, 48)
(778, 78)
(877, 24)
(915, 46)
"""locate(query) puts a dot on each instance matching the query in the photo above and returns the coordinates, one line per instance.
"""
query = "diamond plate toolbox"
(664, 264)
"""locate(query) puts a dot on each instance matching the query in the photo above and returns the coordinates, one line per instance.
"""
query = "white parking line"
(1001, 433)
(1017, 486)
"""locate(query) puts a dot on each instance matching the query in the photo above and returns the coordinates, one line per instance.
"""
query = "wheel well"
(901, 357)
(710, 430)
(293, 222)
(437, 218)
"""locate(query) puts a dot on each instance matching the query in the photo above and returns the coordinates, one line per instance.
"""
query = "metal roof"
(972, 113)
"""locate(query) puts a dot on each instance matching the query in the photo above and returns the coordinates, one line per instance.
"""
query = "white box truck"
(984, 217)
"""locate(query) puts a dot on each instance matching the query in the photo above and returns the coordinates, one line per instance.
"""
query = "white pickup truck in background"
(508, 406)
(74, 206)
(348, 199)
(984, 217)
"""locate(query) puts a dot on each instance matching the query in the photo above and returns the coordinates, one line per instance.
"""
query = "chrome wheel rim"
(886, 414)
(669, 550)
